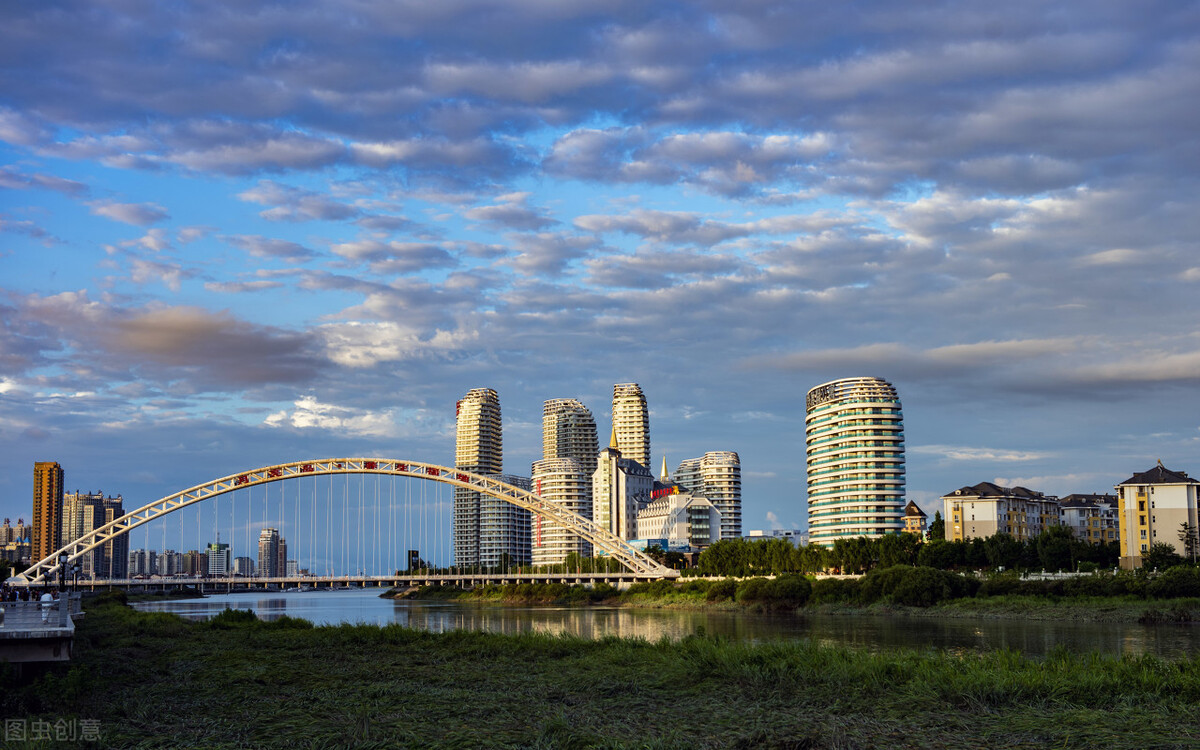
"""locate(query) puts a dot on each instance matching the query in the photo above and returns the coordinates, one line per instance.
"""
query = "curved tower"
(569, 431)
(631, 421)
(478, 448)
(854, 436)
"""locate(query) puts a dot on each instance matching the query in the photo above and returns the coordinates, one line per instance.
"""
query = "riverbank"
(732, 596)
(155, 680)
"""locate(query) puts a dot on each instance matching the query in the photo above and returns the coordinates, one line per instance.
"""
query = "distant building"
(169, 563)
(85, 512)
(631, 422)
(565, 482)
(717, 476)
(1152, 507)
(142, 562)
(1091, 518)
(220, 562)
(797, 537)
(986, 509)
(854, 439)
(46, 536)
(268, 553)
(243, 566)
(914, 519)
(478, 448)
(293, 568)
(620, 488)
(195, 563)
(569, 431)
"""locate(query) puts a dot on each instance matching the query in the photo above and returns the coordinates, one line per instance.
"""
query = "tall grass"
(155, 680)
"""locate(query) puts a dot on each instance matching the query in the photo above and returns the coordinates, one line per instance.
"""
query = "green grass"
(155, 680)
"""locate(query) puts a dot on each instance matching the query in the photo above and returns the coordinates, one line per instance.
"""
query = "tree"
(1161, 556)
(1003, 550)
(1191, 540)
(937, 528)
(1054, 548)
(898, 549)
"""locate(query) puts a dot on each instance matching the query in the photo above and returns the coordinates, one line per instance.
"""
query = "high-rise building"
(563, 481)
(569, 431)
(268, 553)
(717, 475)
(854, 436)
(503, 528)
(47, 509)
(620, 488)
(83, 513)
(220, 563)
(478, 448)
(281, 559)
(1158, 500)
(243, 566)
(142, 562)
(631, 422)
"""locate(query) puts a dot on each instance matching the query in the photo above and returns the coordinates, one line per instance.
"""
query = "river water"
(870, 632)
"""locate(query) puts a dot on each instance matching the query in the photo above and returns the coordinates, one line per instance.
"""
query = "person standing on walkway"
(47, 604)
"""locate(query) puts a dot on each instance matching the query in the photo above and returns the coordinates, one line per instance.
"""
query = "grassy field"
(155, 680)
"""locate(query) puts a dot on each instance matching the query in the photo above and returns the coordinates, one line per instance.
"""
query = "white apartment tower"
(631, 422)
(854, 435)
(569, 431)
(503, 528)
(268, 554)
(717, 475)
(564, 481)
(478, 448)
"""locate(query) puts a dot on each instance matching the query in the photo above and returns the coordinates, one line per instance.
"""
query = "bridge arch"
(638, 562)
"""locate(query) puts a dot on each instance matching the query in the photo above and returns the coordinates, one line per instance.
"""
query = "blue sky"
(231, 235)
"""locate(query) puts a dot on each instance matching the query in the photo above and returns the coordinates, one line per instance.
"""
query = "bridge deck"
(334, 582)
(33, 632)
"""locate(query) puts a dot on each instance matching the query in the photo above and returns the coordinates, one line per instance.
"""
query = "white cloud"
(311, 414)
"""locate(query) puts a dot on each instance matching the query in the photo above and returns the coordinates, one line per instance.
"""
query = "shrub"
(1175, 582)
(879, 584)
(719, 590)
(924, 587)
(834, 591)
(753, 590)
(791, 589)
(228, 619)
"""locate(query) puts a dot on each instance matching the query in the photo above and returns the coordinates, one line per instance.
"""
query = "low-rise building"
(914, 519)
(987, 508)
(1152, 507)
(1091, 518)
(683, 519)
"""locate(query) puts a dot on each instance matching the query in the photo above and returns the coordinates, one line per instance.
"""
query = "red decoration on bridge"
(274, 471)
(306, 468)
(242, 479)
(432, 470)
(463, 478)
(401, 467)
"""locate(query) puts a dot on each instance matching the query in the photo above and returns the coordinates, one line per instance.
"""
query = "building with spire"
(854, 439)
(717, 475)
(631, 422)
(620, 488)
(478, 448)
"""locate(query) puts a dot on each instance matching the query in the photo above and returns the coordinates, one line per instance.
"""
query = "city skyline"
(229, 240)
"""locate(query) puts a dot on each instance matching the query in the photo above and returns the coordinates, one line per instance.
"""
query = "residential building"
(268, 554)
(46, 535)
(631, 422)
(717, 476)
(1152, 507)
(620, 488)
(987, 508)
(504, 528)
(142, 562)
(564, 481)
(569, 431)
(1091, 518)
(281, 559)
(84, 513)
(169, 563)
(195, 563)
(478, 448)
(854, 438)
(914, 519)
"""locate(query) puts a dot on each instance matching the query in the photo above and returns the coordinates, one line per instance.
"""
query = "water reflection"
(872, 633)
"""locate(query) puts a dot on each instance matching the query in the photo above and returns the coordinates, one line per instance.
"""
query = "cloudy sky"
(233, 234)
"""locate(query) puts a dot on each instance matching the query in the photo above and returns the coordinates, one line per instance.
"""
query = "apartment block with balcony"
(986, 509)
(1152, 507)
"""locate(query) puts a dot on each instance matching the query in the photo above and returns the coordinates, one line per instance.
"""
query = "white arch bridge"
(639, 564)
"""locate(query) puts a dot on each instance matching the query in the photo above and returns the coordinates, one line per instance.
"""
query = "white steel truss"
(637, 562)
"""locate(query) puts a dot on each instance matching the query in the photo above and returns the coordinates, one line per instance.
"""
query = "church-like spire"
(612, 442)
(664, 477)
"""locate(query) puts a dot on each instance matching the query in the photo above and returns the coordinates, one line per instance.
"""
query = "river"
(870, 632)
